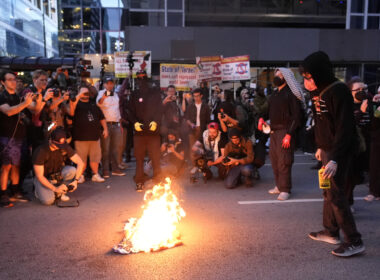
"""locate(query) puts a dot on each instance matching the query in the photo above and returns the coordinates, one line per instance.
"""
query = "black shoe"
(323, 236)
(139, 187)
(349, 249)
(5, 202)
(318, 165)
(19, 196)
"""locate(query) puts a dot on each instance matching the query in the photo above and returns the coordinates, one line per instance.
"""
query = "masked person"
(52, 178)
(145, 112)
(284, 109)
(336, 139)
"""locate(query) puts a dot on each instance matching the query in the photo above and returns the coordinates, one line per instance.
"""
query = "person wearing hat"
(145, 113)
(108, 102)
(52, 178)
(238, 159)
(284, 110)
(337, 142)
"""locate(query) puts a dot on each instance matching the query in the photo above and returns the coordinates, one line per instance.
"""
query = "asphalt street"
(242, 233)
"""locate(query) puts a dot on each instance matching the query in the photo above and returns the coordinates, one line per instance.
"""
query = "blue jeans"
(234, 174)
(111, 147)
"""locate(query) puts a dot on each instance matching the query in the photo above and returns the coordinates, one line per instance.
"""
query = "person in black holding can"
(145, 112)
(337, 142)
(284, 114)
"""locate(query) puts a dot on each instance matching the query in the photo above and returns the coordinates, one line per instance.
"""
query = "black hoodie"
(335, 130)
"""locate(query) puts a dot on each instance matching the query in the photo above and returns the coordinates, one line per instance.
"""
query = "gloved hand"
(138, 126)
(152, 126)
(260, 124)
(286, 141)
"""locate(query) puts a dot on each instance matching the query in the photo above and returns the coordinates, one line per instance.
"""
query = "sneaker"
(118, 172)
(139, 187)
(97, 178)
(348, 250)
(106, 174)
(64, 198)
(322, 236)
(81, 179)
(123, 166)
(5, 202)
(283, 196)
(275, 190)
(371, 197)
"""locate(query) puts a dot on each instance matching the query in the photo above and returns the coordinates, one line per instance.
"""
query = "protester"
(171, 118)
(89, 125)
(145, 114)
(52, 179)
(336, 140)
(13, 122)
(108, 102)
(238, 158)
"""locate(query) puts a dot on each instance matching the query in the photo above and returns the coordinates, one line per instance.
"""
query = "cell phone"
(226, 160)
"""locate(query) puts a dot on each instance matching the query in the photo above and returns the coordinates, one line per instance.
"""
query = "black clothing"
(204, 116)
(53, 161)
(145, 106)
(86, 122)
(171, 116)
(284, 110)
(374, 168)
(8, 124)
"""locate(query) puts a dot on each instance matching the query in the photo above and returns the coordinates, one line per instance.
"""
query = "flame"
(156, 229)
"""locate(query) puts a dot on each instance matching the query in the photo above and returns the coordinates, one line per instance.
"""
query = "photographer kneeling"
(52, 179)
(239, 158)
(209, 151)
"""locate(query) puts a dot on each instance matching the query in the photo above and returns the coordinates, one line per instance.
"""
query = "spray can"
(324, 184)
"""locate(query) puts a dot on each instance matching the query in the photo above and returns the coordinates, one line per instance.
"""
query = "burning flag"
(156, 229)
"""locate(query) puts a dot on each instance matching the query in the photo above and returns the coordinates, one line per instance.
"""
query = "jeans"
(47, 196)
(234, 174)
(111, 147)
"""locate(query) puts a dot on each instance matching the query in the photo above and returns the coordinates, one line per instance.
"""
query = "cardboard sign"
(122, 66)
(182, 76)
(236, 68)
(209, 68)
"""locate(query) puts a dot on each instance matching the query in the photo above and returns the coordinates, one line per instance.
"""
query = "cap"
(213, 125)
(234, 132)
(108, 79)
(58, 137)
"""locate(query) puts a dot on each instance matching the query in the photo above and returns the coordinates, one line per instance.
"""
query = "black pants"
(281, 160)
(144, 144)
(374, 168)
(336, 210)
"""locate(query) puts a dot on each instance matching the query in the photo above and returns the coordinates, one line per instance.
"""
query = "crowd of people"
(65, 132)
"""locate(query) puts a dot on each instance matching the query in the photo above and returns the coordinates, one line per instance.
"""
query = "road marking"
(287, 201)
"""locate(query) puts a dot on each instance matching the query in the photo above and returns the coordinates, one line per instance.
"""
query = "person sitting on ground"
(210, 148)
(238, 158)
(52, 179)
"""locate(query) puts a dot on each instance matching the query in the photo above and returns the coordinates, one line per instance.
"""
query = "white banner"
(209, 68)
(182, 76)
(144, 62)
(236, 68)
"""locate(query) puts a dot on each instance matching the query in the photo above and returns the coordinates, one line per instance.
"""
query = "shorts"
(89, 149)
(11, 150)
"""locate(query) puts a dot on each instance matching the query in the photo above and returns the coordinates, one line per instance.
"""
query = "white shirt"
(198, 122)
(110, 106)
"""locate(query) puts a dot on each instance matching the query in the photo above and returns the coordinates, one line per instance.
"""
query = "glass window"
(174, 19)
(374, 7)
(356, 22)
(111, 18)
(92, 3)
(70, 42)
(91, 42)
(51, 35)
(148, 4)
(91, 18)
(70, 2)
(357, 6)
(111, 41)
(174, 4)
(16, 45)
(114, 3)
(71, 18)
(373, 23)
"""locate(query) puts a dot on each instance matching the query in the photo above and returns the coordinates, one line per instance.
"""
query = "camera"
(72, 94)
(222, 115)
(56, 92)
(173, 97)
(226, 160)
(24, 119)
(361, 95)
(70, 187)
(109, 93)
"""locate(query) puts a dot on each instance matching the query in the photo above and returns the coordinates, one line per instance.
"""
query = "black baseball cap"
(58, 137)
(108, 79)
(234, 132)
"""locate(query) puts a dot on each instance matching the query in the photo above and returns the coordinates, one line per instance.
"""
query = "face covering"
(361, 95)
(277, 81)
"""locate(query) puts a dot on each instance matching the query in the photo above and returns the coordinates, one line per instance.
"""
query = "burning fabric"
(156, 229)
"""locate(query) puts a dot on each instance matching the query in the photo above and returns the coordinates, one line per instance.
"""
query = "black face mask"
(277, 81)
(361, 95)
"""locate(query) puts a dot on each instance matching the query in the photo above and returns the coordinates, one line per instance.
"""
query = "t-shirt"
(198, 122)
(53, 161)
(8, 124)
(86, 122)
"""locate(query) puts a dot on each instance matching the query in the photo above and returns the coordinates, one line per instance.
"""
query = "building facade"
(28, 28)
